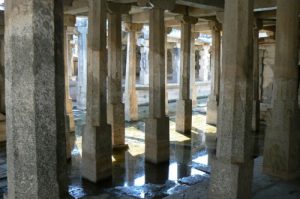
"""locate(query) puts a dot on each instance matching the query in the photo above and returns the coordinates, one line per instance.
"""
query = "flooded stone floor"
(186, 176)
(133, 177)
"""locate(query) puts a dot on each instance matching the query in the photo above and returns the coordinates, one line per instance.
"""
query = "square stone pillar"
(157, 126)
(116, 114)
(232, 170)
(131, 103)
(256, 98)
(97, 141)
(213, 99)
(35, 92)
(184, 104)
(281, 150)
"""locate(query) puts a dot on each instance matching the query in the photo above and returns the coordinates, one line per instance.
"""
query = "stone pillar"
(96, 141)
(213, 99)
(116, 115)
(184, 104)
(131, 103)
(35, 89)
(281, 151)
(176, 62)
(193, 88)
(157, 125)
(231, 175)
(69, 21)
(256, 98)
(167, 31)
(81, 25)
(144, 64)
(2, 75)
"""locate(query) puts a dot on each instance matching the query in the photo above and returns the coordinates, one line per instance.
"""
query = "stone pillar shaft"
(281, 151)
(184, 104)
(131, 103)
(256, 99)
(213, 100)
(35, 89)
(116, 113)
(97, 146)
(157, 126)
(232, 170)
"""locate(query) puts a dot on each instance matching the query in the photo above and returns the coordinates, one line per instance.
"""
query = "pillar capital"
(162, 4)
(187, 19)
(215, 25)
(118, 8)
(133, 27)
(69, 20)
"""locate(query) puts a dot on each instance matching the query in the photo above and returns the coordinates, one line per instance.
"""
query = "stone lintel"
(162, 4)
(69, 20)
(187, 19)
(133, 27)
(118, 8)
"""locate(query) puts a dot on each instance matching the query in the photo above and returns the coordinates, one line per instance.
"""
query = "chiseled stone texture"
(35, 99)
(212, 110)
(184, 116)
(116, 119)
(157, 140)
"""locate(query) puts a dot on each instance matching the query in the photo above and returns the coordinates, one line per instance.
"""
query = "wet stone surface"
(132, 176)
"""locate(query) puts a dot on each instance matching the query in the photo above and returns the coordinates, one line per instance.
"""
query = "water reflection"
(189, 156)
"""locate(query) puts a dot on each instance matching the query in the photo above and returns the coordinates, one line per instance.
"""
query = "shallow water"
(133, 178)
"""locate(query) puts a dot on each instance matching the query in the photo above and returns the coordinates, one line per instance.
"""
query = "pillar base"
(131, 111)
(231, 180)
(157, 140)
(116, 118)
(120, 147)
(212, 110)
(281, 148)
(184, 113)
(96, 153)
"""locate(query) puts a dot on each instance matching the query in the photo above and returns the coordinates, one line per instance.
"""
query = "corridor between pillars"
(35, 93)
(185, 104)
(97, 141)
(281, 151)
(231, 175)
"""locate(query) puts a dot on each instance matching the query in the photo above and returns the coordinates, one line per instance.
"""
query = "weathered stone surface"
(236, 180)
(184, 105)
(212, 104)
(157, 126)
(131, 104)
(36, 151)
(232, 172)
(281, 151)
(96, 143)
(184, 116)
(116, 113)
(157, 140)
